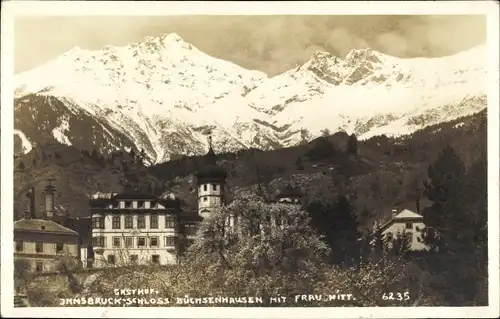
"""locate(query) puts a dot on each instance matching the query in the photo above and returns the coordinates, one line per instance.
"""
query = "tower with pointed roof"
(210, 184)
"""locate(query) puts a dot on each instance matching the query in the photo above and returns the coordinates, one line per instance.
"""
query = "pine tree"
(456, 227)
(338, 225)
(444, 189)
(345, 228)
(379, 244)
(141, 157)
(400, 245)
(352, 145)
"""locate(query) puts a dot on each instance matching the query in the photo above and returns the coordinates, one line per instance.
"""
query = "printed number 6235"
(396, 296)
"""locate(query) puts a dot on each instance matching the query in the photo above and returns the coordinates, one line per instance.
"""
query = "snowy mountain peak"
(171, 37)
(162, 94)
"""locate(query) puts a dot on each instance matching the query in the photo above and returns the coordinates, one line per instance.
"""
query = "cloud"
(272, 44)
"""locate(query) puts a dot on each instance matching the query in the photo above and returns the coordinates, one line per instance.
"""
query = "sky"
(272, 44)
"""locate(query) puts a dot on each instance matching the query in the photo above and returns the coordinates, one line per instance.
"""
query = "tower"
(210, 184)
(49, 199)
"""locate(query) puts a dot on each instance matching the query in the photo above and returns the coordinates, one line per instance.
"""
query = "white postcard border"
(12, 9)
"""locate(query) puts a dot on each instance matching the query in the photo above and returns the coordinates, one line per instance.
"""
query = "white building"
(405, 223)
(135, 228)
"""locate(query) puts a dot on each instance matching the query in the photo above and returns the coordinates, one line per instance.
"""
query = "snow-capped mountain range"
(165, 96)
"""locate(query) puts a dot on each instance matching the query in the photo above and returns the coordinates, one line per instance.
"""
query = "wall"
(167, 254)
(400, 226)
(209, 198)
(49, 256)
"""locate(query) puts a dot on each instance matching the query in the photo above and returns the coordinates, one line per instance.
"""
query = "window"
(153, 221)
(39, 266)
(19, 245)
(129, 222)
(98, 222)
(389, 236)
(116, 224)
(214, 187)
(99, 241)
(155, 259)
(116, 242)
(141, 222)
(169, 241)
(129, 242)
(205, 187)
(134, 259)
(169, 222)
(59, 248)
(205, 199)
(153, 205)
(128, 204)
(409, 226)
(153, 242)
(111, 259)
(39, 247)
(141, 242)
(140, 204)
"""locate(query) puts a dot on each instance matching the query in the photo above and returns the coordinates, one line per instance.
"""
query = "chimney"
(49, 200)
(31, 206)
(394, 213)
(418, 205)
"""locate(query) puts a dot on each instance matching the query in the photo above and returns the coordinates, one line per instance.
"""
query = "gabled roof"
(405, 213)
(42, 226)
(401, 216)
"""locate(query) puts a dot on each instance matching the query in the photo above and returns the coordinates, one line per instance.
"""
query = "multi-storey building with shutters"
(131, 228)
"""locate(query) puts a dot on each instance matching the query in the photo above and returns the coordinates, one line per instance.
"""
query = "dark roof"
(101, 202)
(133, 195)
(289, 191)
(42, 226)
(211, 172)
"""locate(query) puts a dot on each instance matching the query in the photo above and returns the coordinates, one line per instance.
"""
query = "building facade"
(135, 228)
(138, 228)
(45, 245)
(406, 223)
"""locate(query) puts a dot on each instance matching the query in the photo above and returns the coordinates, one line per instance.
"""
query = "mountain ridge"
(164, 95)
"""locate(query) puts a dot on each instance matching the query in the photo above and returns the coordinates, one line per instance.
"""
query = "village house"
(407, 223)
(44, 244)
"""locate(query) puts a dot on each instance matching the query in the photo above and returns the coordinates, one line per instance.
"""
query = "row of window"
(205, 187)
(128, 242)
(38, 247)
(116, 222)
(135, 258)
(155, 259)
(140, 204)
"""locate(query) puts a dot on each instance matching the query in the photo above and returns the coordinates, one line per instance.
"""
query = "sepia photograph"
(244, 159)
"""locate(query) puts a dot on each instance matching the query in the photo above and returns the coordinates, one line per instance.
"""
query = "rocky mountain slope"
(165, 96)
(383, 175)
